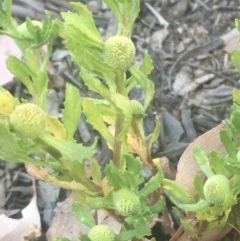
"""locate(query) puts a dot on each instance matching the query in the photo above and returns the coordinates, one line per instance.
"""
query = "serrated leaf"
(158, 207)
(61, 239)
(126, 235)
(202, 160)
(96, 171)
(14, 149)
(153, 184)
(83, 215)
(72, 110)
(147, 65)
(176, 192)
(236, 95)
(55, 127)
(235, 57)
(74, 151)
(126, 12)
(99, 202)
(226, 138)
(124, 105)
(94, 84)
(95, 114)
(113, 5)
(218, 163)
(6, 20)
(154, 135)
(85, 20)
(198, 185)
(134, 164)
(145, 83)
(139, 225)
(21, 71)
(121, 178)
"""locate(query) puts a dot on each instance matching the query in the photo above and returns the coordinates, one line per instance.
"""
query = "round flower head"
(119, 52)
(101, 232)
(216, 189)
(28, 120)
(126, 202)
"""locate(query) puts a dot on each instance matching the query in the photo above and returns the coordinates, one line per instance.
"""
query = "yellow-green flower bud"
(7, 102)
(119, 52)
(216, 189)
(28, 120)
(126, 202)
(137, 109)
(101, 232)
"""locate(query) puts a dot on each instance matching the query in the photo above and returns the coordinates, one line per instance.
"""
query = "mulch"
(193, 77)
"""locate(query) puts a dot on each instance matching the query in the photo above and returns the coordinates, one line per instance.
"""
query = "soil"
(190, 45)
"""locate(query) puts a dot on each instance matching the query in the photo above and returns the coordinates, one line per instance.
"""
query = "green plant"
(216, 190)
(131, 188)
(101, 233)
(28, 120)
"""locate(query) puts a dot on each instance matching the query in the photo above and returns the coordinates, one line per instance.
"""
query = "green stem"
(119, 122)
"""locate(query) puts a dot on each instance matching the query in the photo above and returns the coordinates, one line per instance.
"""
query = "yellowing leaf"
(55, 127)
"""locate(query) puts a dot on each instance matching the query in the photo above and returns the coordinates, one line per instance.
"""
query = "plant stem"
(119, 122)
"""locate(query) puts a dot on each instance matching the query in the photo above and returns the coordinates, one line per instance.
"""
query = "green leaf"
(126, 12)
(202, 160)
(21, 71)
(114, 6)
(121, 178)
(83, 215)
(139, 225)
(74, 151)
(145, 83)
(154, 183)
(218, 163)
(61, 239)
(235, 57)
(96, 171)
(126, 235)
(176, 192)
(99, 202)
(14, 149)
(198, 185)
(158, 207)
(6, 20)
(147, 65)
(227, 140)
(134, 164)
(72, 110)
(94, 84)
(154, 135)
(124, 105)
(95, 111)
(84, 23)
(236, 95)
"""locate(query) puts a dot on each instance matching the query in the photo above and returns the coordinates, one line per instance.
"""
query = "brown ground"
(189, 42)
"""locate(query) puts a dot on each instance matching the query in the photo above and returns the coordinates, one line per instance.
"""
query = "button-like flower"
(101, 232)
(126, 202)
(119, 52)
(28, 120)
(217, 189)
